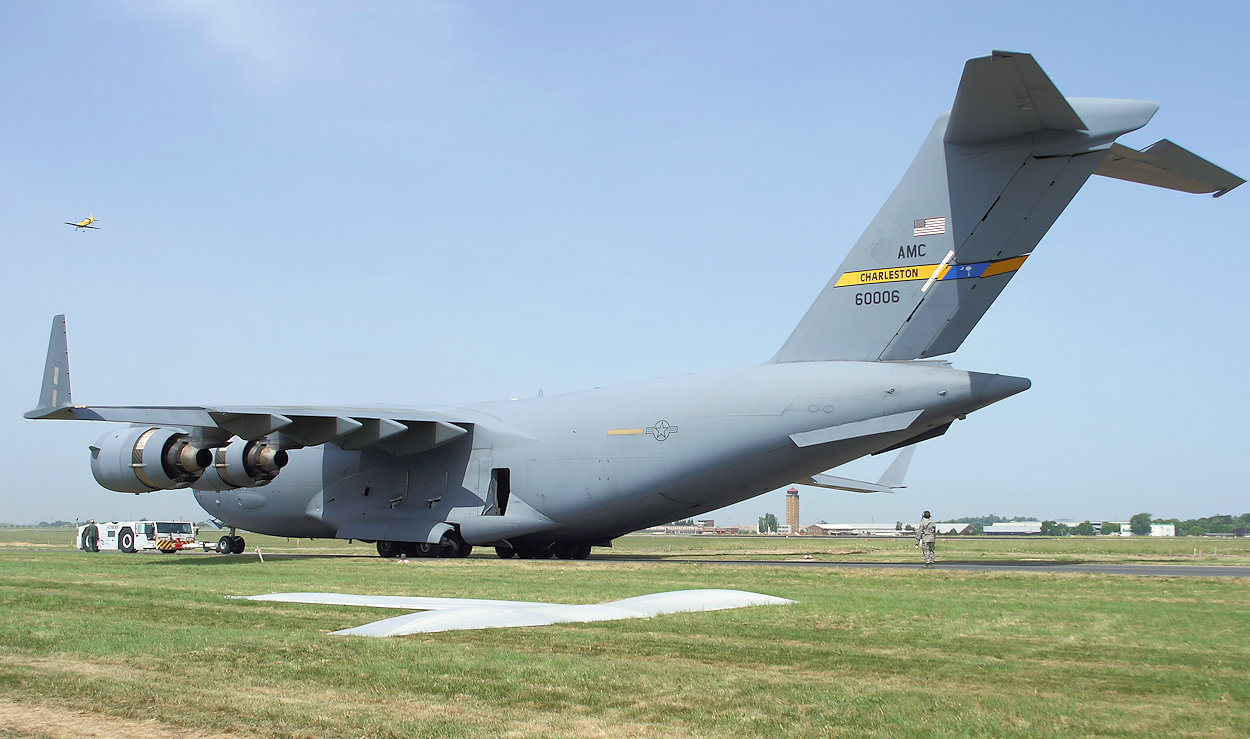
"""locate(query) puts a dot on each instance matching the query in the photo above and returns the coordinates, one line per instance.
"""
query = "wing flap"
(422, 436)
(315, 430)
(249, 425)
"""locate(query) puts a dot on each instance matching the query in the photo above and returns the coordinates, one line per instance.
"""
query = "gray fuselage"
(595, 464)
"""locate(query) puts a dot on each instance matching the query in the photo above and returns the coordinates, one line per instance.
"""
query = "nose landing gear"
(231, 544)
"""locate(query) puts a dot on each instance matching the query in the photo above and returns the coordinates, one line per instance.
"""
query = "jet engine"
(243, 464)
(141, 459)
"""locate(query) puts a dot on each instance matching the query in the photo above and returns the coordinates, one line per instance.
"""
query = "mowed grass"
(130, 644)
(1076, 549)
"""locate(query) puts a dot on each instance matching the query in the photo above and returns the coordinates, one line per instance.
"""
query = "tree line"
(1139, 525)
(1223, 524)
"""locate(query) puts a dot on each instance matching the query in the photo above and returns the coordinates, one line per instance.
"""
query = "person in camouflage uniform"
(926, 535)
(91, 537)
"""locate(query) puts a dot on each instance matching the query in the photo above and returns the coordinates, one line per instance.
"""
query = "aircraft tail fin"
(54, 395)
(991, 178)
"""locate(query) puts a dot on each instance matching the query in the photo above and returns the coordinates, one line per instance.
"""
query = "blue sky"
(430, 203)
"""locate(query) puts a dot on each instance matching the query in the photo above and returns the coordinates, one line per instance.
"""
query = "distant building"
(880, 529)
(706, 526)
(671, 529)
(792, 509)
(1156, 529)
(1014, 528)
(852, 529)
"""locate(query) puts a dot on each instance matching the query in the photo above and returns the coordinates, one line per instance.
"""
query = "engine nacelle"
(243, 464)
(142, 459)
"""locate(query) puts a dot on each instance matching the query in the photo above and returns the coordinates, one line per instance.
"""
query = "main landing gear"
(558, 550)
(449, 545)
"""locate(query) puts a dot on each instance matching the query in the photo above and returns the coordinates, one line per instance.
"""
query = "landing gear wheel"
(571, 550)
(505, 552)
(426, 549)
(225, 545)
(389, 548)
(237, 544)
(451, 545)
(126, 541)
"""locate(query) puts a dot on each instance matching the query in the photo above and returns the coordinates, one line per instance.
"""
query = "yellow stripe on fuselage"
(624, 432)
(890, 274)
(1005, 266)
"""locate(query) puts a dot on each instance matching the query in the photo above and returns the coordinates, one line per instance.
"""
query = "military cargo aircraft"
(557, 475)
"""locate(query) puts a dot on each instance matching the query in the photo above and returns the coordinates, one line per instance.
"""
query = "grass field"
(147, 644)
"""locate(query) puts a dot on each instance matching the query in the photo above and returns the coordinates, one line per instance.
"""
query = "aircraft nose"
(987, 388)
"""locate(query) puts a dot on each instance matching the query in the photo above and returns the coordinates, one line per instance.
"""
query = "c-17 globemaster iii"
(556, 475)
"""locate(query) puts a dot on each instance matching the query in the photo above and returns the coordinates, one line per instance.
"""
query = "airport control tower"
(792, 509)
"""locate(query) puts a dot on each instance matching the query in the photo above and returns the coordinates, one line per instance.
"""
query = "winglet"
(893, 476)
(54, 396)
(891, 479)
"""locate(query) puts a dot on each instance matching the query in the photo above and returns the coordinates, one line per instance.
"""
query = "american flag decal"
(929, 226)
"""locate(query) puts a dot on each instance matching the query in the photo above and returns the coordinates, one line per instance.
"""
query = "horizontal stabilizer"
(1164, 164)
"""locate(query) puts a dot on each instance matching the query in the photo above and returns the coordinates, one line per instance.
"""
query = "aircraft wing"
(399, 431)
(396, 430)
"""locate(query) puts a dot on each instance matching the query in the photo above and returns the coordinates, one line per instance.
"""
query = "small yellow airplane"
(84, 223)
